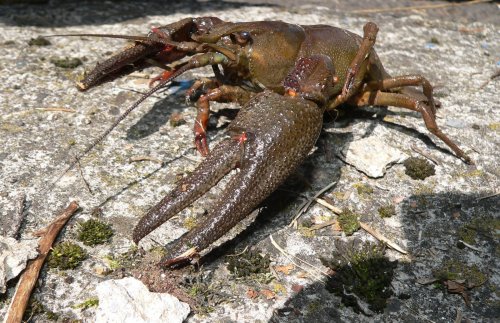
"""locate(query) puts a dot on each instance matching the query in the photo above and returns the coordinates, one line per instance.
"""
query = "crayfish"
(283, 96)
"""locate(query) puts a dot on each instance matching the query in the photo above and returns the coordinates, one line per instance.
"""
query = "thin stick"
(30, 275)
(144, 158)
(314, 270)
(83, 177)
(423, 153)
(57, 109)
(382, 238)
(423, 7)
(469, 246)
(303, 208)
(492, 77)
(332, 208)
(488, 196)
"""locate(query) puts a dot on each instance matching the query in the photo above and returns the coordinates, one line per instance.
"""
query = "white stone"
(13, 257)
(371, 156)
(128, 300)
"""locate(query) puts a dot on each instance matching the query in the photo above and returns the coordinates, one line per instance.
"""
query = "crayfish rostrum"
(284, 76)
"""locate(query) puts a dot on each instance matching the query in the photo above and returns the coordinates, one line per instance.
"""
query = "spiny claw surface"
(277, 126)
(271, 135)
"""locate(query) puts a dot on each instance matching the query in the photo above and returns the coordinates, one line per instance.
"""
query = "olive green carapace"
(456, 270)
(66, 62)
(386, 211)
(294, 42)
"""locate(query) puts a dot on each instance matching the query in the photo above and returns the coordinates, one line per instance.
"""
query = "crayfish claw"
(201, 144)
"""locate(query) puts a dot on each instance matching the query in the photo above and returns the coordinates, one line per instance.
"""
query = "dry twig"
(30, 276)
(145, 158)
(488, 196)
(303, 208)
(426, 155)
(57, 109)
(313, 271)
(381, 237)
(332, 208)
(492, 77)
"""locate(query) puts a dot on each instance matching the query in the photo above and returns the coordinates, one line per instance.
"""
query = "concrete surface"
(36, 146)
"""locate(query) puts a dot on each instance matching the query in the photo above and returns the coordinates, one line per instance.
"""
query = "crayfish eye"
(242, 37)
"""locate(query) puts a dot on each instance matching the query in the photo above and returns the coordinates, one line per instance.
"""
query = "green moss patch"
(66, 255)
(248, 263)
(348, 222)
(387, 211)
(418, 168)
(39, 41)
(66, 62)
(362, 273)
(458, 271)
(94, 232)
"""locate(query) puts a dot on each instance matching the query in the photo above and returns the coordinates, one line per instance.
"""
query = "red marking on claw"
(168, 48)
(162, 77)
(241, 138)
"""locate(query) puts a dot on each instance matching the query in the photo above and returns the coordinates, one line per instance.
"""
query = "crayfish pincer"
(267, 128)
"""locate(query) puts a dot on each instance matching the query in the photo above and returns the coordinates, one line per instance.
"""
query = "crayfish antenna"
(99, 139)
(146, 39)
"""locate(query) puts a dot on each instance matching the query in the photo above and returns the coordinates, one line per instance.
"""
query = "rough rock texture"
(371, 156)
(13, 257)
(457, 56)
(128, 300)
